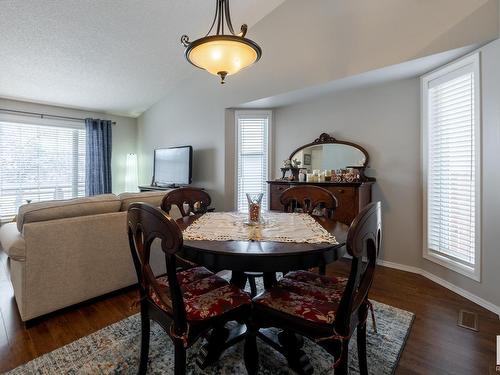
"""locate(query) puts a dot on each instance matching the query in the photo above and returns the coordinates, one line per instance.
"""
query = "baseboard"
(401, 267)
(462, 292)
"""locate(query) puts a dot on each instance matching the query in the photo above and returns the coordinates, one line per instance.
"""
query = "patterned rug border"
(123, 335)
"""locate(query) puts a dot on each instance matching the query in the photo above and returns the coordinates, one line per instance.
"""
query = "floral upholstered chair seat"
(205, 294)
(306, 295)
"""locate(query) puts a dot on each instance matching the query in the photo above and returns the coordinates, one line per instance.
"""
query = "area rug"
(115, 350)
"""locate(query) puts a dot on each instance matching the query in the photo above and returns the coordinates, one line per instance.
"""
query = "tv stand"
(159, 188)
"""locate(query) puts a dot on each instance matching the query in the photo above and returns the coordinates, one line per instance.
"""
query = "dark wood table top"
(264, 256)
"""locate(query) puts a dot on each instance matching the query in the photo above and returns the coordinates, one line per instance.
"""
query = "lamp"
(222, 54)
(131, 178)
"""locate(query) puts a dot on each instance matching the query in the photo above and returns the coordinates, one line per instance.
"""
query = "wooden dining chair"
(309, 199)
(188, 200)
(186, 304)
(325, 309)
(313, 200)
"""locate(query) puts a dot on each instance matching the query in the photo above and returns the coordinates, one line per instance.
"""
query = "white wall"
(384, 119)
(124, 134)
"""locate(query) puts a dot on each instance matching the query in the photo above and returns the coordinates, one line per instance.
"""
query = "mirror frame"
(325, 138)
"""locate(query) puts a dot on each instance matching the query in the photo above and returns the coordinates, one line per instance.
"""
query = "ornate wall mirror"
(328, 153)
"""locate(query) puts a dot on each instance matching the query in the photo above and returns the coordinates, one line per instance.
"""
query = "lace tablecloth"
(277, 227)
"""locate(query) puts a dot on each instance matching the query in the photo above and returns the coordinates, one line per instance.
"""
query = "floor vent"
(468, 319)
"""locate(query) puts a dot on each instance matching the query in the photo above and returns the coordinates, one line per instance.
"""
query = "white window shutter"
(39, 163)
(252, 157)
(452, 172)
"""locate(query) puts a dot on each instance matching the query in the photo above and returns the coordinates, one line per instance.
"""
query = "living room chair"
(325, 309)
(186, 304)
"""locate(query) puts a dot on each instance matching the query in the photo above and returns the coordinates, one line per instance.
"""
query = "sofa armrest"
(12, 242)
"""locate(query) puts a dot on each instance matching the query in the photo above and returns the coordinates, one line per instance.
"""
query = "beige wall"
(124, 133)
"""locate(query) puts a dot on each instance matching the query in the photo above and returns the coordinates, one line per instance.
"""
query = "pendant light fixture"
(222, 54)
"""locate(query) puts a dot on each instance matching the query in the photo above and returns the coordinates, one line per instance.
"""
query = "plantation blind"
(39, 162)
(452, 173)
(253, 157)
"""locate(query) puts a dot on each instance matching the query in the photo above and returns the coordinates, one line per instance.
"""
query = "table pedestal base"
(217, 342)
(287, 343)
(290, 345)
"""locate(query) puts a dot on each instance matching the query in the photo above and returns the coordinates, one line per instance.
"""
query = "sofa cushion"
(151, 197)
(12, 242)
(61, 209)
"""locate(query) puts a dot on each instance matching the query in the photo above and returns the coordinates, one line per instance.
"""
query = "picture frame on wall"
(307, 159)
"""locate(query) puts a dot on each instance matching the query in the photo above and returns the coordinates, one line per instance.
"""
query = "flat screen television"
(173, 166)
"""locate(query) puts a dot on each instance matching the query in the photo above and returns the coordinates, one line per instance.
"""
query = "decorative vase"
(254, 207)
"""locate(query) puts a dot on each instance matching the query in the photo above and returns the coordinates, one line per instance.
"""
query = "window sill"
(472, 273)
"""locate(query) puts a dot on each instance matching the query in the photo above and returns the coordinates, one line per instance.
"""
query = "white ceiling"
(115, 56)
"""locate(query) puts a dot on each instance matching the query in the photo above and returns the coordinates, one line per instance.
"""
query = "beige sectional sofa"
(65, 252)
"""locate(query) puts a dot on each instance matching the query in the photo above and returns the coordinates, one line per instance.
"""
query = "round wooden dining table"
(264, 256)
(268, 258)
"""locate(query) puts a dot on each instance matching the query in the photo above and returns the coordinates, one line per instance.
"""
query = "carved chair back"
(146, 224)
(308, 198)
(187, 200)
(363, 239)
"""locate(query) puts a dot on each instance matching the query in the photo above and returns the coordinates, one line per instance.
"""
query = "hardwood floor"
(436, 344)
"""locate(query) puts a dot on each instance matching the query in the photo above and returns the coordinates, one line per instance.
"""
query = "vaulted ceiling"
(123, 56)
(118, 56)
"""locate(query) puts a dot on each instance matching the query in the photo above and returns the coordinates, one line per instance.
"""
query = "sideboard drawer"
(347, 204)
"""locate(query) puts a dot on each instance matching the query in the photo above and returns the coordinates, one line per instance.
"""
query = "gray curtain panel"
(98, 157)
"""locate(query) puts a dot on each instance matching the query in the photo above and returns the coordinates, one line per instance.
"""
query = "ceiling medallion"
(222, 54)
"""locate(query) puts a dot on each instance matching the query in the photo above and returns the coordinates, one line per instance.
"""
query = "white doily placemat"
(277, 227)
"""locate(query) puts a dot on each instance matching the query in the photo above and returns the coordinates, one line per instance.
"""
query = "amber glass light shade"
(223, 55)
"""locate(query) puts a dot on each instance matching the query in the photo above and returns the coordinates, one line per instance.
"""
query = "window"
(252, 153)
(452, 165)
(39, 162)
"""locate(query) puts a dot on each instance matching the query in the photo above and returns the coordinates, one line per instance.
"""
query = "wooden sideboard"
(351, 197)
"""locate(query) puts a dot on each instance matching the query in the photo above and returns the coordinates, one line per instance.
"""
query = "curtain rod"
(42, 115)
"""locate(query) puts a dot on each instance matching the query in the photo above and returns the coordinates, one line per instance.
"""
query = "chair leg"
(253, 286)
(361, 339)
(322, 269)
(342, 358)
(251, 354)
(145, 331)
(180, 358)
